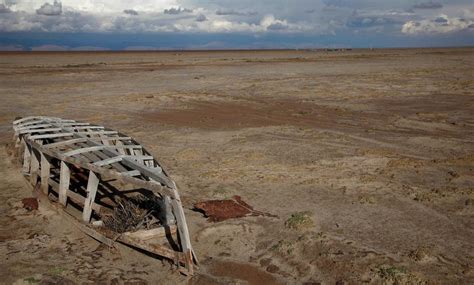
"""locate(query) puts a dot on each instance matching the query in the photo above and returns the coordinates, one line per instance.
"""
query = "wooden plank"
(29, 131)
(92, 184)
(34, 127)
(26, 157)
(85, 149)
(140, 158)
(87, 127)
(50, 136)
(98, 133)
(155, 173)
(109, 161)
(91, 156)
(129, 146)
(100, 155)
(152, 247)
(166, 213)
(155, 233)
(74, 197)
(120, 150)
(115, 138)
(131, 173)
(80, 200)
(43, 120)
(64, 181)
(182, 230)
(45, 173)
(34, 167)
(66, 142)
(31, 123)
(71, 124)
(19, 121)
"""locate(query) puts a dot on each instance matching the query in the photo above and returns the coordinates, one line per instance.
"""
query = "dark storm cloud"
(201, 18)
(234, 12)
(130, 12)
(176, 11)
(4, 9)
(299, 22)
(47, 9)
(441, 20)
(428, 5)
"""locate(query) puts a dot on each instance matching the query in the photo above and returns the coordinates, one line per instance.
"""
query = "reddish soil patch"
(232, 115)
(30, 203)
(220, 210)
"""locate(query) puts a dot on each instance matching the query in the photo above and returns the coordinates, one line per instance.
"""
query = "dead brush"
(129, 216)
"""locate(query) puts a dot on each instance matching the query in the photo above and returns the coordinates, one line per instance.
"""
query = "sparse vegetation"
(31, 280)
(283, 246)
(56, 270)
(391, 273)
(299, 221)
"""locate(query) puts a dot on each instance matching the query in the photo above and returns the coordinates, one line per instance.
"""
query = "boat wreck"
(107, 184)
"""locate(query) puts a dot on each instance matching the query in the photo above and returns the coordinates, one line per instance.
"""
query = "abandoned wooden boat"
(114, 189)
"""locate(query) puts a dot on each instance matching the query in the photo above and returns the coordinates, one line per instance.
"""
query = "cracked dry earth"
(365, 157)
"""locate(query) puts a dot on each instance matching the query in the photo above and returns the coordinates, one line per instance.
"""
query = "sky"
(233, 24)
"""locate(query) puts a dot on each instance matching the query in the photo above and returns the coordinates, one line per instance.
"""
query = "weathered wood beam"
(74, 197)
(16, 122)
(92, 185)
(115, 138)
(109, 160)
(34, 167)
(87, 127)
(84, 149)
(151, 234)
(50, 136)
(155, 173)
(31, 127)
(26, 157)
(29, 131)
(97, 133)
(45, 173)
(131, 173)
(64, 181)
(66, 142)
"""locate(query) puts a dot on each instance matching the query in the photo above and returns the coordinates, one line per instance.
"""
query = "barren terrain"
(365, 157)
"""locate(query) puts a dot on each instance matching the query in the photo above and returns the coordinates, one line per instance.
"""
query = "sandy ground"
(374, 147)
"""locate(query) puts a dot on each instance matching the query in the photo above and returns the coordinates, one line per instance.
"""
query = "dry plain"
(375, 147)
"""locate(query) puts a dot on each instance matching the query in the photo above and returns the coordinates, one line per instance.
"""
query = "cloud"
(50, 9)
(308, 18)
(376, 18)
(4, 9)
(176, 11)
(440, 25)
(227, 12)
(201, 18)
(130, 12)
(428, 5)
(270, 23)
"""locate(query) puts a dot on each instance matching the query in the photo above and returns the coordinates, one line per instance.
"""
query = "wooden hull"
(89, 169)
